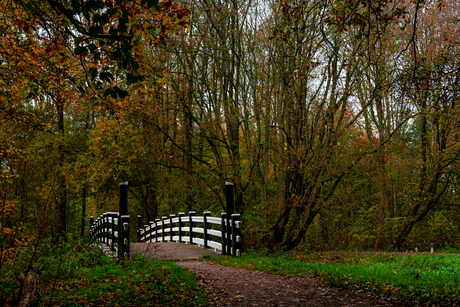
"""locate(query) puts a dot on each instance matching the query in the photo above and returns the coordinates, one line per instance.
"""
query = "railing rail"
(220, 233)
(111, 229)
(197, 230)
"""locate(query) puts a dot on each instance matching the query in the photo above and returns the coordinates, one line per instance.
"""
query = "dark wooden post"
(223, 229)
(163, 228)
(181, 224)
(91, 224)
(236, 235)
(105, 226)
(139, 227)
(99, 228)
(123, 222)
(114, 229)
(124, 198)
(191, 225)
(206, 226)
(109, 229)
(96, 228)
(230, 210)
(171, 225)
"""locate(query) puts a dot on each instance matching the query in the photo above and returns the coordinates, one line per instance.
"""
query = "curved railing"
(111, 229)
(219, 233)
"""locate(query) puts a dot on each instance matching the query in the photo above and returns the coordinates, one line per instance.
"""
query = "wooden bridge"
(221, 234)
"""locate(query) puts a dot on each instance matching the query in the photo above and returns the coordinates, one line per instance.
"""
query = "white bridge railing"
(219, 233)
(111, 229)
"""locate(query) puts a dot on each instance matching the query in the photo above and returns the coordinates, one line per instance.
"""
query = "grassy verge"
(406, 279)
(83, 277)
(135, 282)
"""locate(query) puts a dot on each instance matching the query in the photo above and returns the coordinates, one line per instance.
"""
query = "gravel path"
(241, 287)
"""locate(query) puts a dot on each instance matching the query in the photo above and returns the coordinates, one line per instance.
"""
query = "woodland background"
(337, 121)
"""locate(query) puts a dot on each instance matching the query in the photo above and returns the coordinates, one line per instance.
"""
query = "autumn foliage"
(336, 121)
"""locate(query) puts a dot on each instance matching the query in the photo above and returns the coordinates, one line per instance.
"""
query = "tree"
(431, 75)
(319, 77)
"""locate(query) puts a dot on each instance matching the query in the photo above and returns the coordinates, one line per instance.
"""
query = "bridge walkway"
(170, 250)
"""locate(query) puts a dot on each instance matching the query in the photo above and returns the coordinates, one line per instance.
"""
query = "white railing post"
(157, 239)
(223, 230)
(205, 228)
(191, 224)
(171, 225)
(181, 224)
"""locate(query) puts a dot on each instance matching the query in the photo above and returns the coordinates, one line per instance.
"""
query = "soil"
(241, 287)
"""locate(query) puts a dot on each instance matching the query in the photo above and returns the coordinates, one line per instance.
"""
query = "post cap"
(124, 183)
(228, 183)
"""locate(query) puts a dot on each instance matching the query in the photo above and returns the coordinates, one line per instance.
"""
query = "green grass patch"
(134, 282)
(80, 276)
(406, 279)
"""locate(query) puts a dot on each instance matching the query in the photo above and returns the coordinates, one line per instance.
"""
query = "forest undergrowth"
(73, 274)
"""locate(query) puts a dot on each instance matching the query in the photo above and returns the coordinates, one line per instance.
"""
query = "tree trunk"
(404, 232)
(384, 202)
(61, 198)
(278, 230)
(83, 211)
(28, 285)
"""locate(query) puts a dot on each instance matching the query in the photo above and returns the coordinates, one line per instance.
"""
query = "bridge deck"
(169, 250)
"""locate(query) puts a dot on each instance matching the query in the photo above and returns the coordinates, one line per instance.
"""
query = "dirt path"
(241, 287)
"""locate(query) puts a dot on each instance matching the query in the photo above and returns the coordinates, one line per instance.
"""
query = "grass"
(134, 282)
(405, 279)
(83, 277)
(73, 275)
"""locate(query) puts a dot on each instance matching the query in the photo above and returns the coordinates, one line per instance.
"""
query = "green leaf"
(151, 3)
(93, 72)
(78, 40)
(75, 6)
(107, 92)
(134, 65)
(103, 19)
(80, 50)
(121, 93)
(96, 17)
(92, 47)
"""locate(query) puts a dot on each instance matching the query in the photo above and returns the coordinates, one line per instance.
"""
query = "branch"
(60, 9)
